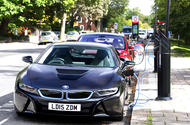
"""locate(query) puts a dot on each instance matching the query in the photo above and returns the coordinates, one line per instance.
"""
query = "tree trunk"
(187, 40)
(4, 26)
(62, 35)
(98, 25)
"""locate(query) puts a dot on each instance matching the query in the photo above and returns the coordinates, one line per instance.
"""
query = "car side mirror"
(122, 59)
(117, 52)
(27, 59)
(129, 63)
(127, 68)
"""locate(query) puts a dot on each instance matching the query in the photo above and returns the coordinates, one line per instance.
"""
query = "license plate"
(64, 107)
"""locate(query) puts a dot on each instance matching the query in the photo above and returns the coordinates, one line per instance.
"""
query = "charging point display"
(135, 26)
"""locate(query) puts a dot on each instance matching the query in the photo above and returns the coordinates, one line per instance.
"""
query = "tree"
(146, 20)
(115, 14)
(179, 17)
(9, 8)
(93, 9)
(32, 12)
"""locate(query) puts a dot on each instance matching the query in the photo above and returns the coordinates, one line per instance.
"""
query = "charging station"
(135, 27)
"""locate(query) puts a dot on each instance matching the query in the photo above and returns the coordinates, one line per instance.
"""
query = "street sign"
(135, 19)
(115, 26)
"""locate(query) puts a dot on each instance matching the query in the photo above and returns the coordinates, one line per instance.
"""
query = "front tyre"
(119, 118)
(17, 111)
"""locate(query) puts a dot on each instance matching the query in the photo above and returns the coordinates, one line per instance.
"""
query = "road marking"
(3, 121)
(186, 76)
(6, 110)
(7, 107)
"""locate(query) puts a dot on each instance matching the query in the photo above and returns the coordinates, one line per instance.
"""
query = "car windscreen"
(116, 41)
(127, 30)
(142, 31)
(78, 56)
(45, 33)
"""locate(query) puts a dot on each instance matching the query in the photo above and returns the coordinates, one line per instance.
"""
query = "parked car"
(127, 30)
(142, 35)
(48, 37)
(85, 32)
(118, 41)
(57, 33)
(72, 36)
(73, 79)
(150, 33)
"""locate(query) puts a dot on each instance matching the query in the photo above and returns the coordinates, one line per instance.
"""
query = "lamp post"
(168, 17)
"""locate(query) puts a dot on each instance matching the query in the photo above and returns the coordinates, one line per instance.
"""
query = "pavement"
(149, 111)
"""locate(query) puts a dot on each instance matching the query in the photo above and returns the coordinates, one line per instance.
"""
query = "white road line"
(3, 121)
(186, 76)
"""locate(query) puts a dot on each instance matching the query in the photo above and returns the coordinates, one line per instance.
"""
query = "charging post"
(135, 27)
(164, 62)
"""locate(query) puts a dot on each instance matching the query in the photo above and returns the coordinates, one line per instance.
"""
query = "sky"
(144, 5)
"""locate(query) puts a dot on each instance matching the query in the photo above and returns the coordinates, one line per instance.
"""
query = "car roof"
(91, 44)
(104, 33)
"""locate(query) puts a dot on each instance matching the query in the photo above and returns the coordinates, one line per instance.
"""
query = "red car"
(118, 41)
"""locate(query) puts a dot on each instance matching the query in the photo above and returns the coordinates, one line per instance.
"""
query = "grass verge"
(179, 49)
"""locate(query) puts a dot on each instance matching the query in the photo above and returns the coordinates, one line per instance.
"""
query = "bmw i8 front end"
(72, 79)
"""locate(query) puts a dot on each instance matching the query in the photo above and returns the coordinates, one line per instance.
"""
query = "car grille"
(50, 93)
(69, 95)
(75, 95)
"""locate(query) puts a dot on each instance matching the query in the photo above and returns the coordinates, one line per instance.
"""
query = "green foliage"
(179, 48)
(179, 17)
(93, 9)
(149, 120)
(33, 13)
(146, 20)
(11, 7)
(115, 14)
(119, 13)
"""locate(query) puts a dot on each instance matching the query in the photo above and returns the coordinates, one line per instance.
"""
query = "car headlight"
(106, 92)
(27, 88)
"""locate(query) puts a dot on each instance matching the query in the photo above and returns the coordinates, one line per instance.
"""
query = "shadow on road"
(56, 120)
(4, 99)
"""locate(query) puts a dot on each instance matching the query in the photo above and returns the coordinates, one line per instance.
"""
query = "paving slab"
(172, 112)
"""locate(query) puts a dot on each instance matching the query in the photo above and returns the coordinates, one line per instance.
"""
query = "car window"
(127, 30)
(45, 33)
(141, 33)
(116, 54)
(116, 41)
(78, 56)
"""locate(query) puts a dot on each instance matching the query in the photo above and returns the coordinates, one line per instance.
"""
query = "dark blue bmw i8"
(73, 79)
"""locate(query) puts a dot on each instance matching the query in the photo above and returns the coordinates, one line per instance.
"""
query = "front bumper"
(110, 106)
